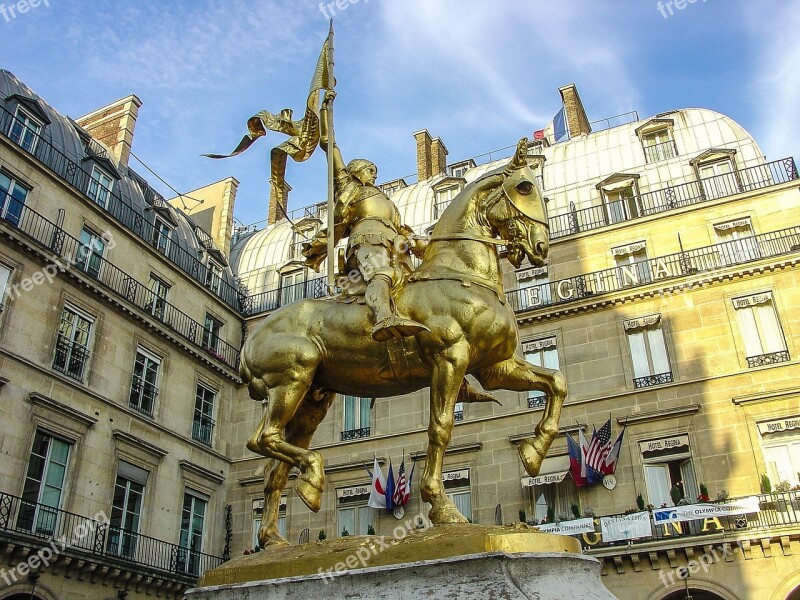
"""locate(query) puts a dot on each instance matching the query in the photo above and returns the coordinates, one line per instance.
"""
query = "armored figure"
(378, 242)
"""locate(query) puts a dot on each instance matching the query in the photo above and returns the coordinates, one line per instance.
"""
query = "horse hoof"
(531, 457)
(446, 515)
(272, 539)
(309, 493)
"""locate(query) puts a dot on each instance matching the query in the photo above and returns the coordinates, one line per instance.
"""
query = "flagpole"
(331, 224)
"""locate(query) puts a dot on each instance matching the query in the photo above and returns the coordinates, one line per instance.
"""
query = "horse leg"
(520, 376)
(299, 432)
(449, 368)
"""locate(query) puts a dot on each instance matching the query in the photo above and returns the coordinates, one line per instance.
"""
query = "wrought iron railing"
(70, 249)
(771, 358)
(138, 221)
(203, 430)
(537, 400)
(143, 395)
(458, 415)
(673, 197)
(36, 524)
(662, 151)
(70, 357)
(272, 299)
(650, 380)
(355, 434)
(776, 510)
(660, 269)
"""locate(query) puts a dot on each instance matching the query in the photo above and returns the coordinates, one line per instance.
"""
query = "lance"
(331, 224)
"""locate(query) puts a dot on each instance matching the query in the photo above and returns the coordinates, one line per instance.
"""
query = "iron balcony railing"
(673, 197)
(203, 430)
(660, 269)
(355, 434)
(70, 357)
(140, 222)
(661, 151)
(272, 299)
(776, 510)
(36, 524)
(70, 250)
(650, 380)
(771, 358)
(143, 395)
(537, 400)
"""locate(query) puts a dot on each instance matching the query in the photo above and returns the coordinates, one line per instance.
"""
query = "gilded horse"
(304, 354)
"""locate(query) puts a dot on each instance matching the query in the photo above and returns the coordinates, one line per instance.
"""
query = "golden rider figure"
(377, 238)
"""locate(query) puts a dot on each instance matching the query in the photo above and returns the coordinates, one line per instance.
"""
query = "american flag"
(599, 447)
(401, 492)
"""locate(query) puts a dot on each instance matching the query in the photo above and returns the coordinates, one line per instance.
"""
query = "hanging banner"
(626, 527)
(544, 479)
(574, 527)
(690, 512)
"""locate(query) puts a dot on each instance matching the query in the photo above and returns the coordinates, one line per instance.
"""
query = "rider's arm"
(338, 161)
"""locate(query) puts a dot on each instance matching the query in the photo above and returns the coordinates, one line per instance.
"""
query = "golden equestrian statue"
(303, 355)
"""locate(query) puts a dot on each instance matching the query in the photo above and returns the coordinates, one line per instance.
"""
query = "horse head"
(516, 212)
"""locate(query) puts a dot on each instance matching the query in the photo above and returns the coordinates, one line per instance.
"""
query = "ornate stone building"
(668, 302)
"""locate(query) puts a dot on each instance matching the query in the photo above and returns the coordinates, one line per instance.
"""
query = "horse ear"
(520, 158)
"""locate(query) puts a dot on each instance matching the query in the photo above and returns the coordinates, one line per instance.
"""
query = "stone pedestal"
(457, 561)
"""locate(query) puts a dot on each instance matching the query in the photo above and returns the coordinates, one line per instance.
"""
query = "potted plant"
(321, 535)
(640, 501)
(523, 518)
(703, 497)
(370, 530)
(576, 511)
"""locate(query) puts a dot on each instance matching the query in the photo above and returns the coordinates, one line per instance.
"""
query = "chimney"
(573, 111)
(424, 158)
(438, 156)
(278, 201)
(215, 213)
(113, 126)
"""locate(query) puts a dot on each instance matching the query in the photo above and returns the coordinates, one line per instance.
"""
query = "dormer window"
(213, 276)
(100, 186)
(390, 188)
(658, 141)
(25, 130)
(161, 235)
(460, 169)
(716, 171)
(620, 193)
(443, 199)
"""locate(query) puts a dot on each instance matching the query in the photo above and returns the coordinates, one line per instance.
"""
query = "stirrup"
(396, 327)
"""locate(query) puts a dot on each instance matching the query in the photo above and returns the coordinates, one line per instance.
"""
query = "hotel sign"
(779, 425)
(667, 443)
(544, 479)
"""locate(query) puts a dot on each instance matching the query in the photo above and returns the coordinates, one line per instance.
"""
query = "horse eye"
(525, 187)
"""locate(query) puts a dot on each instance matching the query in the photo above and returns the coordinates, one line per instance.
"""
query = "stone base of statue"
(451, 561)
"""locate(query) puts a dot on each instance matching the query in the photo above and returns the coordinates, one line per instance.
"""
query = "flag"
(575, 462)
(610, 463)
(538, 134)
(400, 497)
(560, 127)
(410, 477)
(390, 488)
(304, 134)
(599, 447)
(377, 495)
(584, 449)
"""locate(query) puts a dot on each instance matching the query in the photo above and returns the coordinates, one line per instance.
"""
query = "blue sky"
(480, 75)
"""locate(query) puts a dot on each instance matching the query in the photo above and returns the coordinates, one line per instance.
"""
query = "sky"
(479, 75)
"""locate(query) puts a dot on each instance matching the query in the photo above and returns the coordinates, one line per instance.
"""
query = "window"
(782, 452)
(658, 145)
(761, 330)
(211, 330)
(534, 288)
(354, 516)
(548, 502)
(161, 235)
(717, 179)
(292, 287)
(192, 523)
(126, 510)
(5, 275)
(203, 423)
(213, 276)
(542, 353)
(668, 471)
(158, 302)
(648, 351)
(90, 253)
(737, 240)
(458, 411)
(460, 169)
(144, 385)
(12, 199)
(25, 130)
(443, 199)
(44, 484)
(457, 487)
(258, 509)
(100, 186)
(72, 345)
(357, 417)
(633, 267)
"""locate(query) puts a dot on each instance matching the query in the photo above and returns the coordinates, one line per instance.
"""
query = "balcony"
(203, 430)
(91, 541)
(698, 262)
(132, 218)
(70, 358)
(772, 358)
(355, 434)
(674, 197)
(650, 380)
(663, 151)
(143, 396)
(70, 250)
